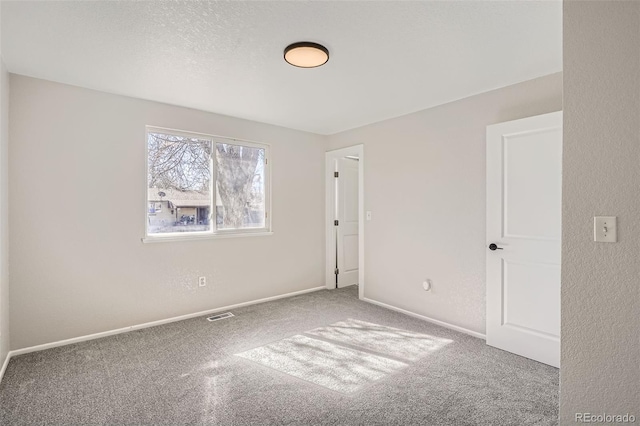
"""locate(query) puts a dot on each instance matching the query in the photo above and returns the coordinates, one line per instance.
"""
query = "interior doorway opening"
(345, 218)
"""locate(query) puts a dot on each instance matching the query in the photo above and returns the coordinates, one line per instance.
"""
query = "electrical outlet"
(426, 285)
(202, 281)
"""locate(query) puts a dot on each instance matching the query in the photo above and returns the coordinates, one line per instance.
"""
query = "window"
(202, 185)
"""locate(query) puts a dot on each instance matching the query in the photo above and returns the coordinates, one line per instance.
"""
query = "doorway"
(345, 218)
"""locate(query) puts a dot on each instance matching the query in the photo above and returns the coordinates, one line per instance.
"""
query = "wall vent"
(220, 316)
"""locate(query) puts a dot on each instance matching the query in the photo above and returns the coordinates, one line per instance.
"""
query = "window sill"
(173, 238)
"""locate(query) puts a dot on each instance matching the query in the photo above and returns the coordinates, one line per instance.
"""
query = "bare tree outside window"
(240, 171)
(182, 189)
(179, 176)
(179, 163)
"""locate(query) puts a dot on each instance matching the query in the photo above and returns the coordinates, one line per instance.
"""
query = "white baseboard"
(148, 324)
(431, 320)
(4, 365)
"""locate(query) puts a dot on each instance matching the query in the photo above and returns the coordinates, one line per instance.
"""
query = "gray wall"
(600, 282)
(425, 186)
(4, 212)
(78, 208)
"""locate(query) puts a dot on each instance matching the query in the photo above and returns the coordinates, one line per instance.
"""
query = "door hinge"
(337, 271)
(335, 223)
(336, 174)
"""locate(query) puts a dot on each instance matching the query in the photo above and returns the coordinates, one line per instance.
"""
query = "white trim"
(190, 134)
(361, 219)
(330, 242)
(152, 323)
(431, 320)
(329, 215)
(200, 236)
(4, 365)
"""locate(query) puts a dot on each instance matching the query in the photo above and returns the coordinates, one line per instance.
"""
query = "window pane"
(240, 195)
(179, 178)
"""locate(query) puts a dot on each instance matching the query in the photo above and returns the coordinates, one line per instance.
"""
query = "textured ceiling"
(387, 58)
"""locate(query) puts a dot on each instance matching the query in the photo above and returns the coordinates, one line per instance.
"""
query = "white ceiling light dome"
(306, 54)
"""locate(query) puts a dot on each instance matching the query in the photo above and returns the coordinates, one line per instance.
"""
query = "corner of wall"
(4, 223)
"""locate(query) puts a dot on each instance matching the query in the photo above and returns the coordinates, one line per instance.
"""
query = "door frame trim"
(330, 158)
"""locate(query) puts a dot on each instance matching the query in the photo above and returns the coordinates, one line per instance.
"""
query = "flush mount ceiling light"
(306, 54)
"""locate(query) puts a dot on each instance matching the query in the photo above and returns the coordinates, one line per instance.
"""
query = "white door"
(524, 184)
(347, 229)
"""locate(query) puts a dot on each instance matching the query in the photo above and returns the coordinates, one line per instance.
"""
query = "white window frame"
(214, 232)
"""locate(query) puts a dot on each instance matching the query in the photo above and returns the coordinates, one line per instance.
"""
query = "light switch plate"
(605, 229)
(368, 215)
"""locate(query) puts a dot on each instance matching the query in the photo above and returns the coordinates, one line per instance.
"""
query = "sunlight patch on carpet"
(326, 364)
(381, 339)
